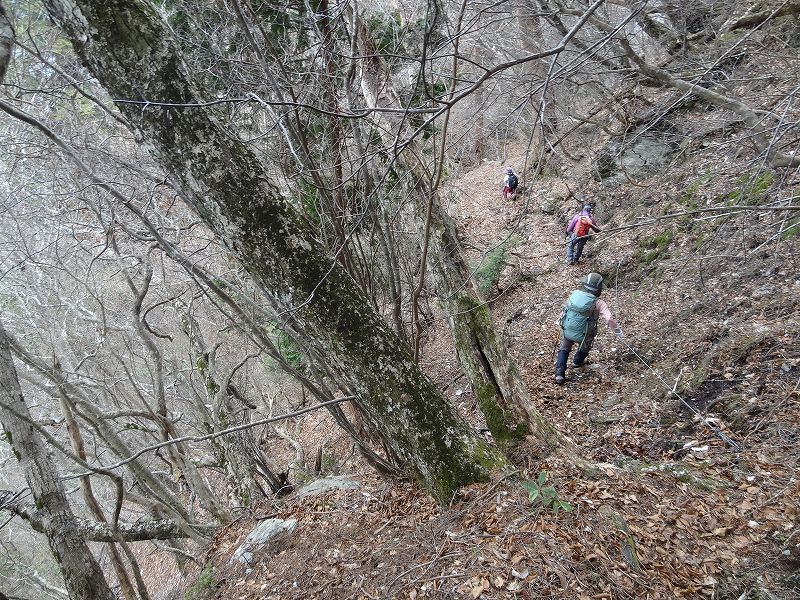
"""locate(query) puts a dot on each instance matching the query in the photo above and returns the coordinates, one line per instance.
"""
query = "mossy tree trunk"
(502, 395)
(128, 47)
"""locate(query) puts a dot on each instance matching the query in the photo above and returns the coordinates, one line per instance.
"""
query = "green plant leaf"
(533, 494)
(565, 506)
(542, 478)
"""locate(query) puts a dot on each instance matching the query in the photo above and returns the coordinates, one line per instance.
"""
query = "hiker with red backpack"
(578, 323)
(578, 232)
(510, 183)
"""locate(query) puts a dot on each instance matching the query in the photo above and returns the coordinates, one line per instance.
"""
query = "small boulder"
(268, 535)
(327, 484)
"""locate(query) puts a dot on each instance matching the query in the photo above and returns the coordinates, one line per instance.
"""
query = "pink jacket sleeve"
(602, 308)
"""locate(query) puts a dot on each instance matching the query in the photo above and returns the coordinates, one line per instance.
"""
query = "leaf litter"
(671, 511)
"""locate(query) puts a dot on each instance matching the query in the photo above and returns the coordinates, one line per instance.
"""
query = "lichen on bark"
(475, 340)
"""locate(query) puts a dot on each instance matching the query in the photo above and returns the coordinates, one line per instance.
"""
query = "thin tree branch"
(216, 434)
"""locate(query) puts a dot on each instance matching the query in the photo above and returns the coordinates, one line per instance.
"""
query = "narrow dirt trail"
(529, 297)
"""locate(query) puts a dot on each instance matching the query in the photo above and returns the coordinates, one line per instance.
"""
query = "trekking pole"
(736, 446)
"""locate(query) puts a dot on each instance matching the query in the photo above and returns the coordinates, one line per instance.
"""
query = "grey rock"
(327, 484)
(268, 532)
(647, 155)
(764, 291)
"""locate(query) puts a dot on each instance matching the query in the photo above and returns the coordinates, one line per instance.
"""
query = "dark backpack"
(513, 182)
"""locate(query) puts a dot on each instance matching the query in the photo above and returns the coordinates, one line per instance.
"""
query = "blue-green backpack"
(578, 315)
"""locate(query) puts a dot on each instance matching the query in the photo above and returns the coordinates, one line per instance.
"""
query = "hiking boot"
(560, 379)
(579, 360)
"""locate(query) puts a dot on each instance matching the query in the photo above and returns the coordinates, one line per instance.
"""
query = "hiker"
(578, 233)
(578, 322)
(510, 183)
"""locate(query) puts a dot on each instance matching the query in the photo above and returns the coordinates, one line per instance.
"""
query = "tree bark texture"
(502, 395)
(128, 47)
(6, 41)
(82, 575)
(97, 531)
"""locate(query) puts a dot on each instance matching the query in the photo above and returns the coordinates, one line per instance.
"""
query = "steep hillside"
(676, 512)
(692, 421)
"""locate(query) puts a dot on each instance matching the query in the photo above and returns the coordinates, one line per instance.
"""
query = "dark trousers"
(575, 248)
(565, 347)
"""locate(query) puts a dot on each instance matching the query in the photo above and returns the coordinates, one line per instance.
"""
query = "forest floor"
(675, 512)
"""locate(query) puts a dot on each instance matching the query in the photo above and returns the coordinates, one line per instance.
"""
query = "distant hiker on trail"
(578, 322)
(578, 233)
(510, 183)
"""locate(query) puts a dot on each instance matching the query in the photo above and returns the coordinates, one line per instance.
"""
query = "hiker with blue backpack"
(578, 230)
(510, 183)
(578, 322)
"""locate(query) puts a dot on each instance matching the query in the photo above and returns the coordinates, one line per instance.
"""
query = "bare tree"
(232, 193)
(82, 574)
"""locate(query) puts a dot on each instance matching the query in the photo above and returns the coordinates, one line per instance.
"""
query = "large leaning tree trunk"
(82, 575)
(128, 47)
(501, 393)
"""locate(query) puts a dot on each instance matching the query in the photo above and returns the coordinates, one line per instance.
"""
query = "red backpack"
(583, 225)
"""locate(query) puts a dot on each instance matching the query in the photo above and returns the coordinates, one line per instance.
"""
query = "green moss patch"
(751, 190)
(653, 248)
(487, 273)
